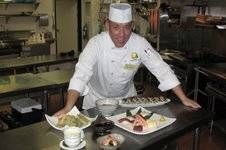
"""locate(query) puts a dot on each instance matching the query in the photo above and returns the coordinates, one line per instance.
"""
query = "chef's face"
(119, 32)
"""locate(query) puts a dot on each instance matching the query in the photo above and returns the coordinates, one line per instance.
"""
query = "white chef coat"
(108, 71)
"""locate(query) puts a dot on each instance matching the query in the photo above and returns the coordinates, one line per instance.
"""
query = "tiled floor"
(214, 142)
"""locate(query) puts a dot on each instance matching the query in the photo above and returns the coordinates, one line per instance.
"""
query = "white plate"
(222, 27)
(129, 126)
(144, 104)
(52, 120)
(81, 145)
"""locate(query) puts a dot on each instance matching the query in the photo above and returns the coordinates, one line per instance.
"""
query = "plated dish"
(141, 121)
(73, 118)
(143, 101)
(111, 141)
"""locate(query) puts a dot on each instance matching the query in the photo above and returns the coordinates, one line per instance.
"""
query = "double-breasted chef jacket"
(106, 71)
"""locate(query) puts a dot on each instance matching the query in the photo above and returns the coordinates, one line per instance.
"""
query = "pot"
(44, 20)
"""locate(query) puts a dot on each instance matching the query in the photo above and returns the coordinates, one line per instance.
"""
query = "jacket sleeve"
(84, 67)
(161, 70)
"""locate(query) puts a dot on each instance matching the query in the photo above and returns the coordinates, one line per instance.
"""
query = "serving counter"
(43, 136)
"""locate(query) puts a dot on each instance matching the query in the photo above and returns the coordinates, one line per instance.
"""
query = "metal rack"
(35, 4)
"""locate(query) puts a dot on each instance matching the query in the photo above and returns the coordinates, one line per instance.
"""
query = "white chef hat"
(120, 13)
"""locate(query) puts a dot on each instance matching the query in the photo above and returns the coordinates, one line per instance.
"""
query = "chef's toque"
(120, 13)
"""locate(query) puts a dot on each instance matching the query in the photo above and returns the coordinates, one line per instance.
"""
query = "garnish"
(128, 113)
(139, 111)
(148, 116)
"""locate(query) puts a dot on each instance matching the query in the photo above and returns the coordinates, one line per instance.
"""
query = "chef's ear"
(106, 23)
(133, 27)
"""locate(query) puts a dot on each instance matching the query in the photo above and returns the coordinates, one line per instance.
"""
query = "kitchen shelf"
(35, 4)
(24, 14)
(14, 31)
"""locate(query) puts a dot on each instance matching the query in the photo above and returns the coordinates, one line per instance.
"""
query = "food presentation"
(73, 118)
(111, 141)
(141, 121)
(143, 101)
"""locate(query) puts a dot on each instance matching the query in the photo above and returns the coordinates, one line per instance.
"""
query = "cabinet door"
(66, 25)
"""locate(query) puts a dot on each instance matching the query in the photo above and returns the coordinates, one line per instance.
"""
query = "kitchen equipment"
(44, 20)
(25, 105)
(27, 110)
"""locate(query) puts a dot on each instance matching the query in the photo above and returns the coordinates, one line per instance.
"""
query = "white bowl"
(118, 137)
(107, 106)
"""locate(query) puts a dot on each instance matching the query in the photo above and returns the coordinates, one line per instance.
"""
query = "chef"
(109, 61)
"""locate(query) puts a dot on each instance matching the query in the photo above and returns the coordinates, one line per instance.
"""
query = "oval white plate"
(167, 100)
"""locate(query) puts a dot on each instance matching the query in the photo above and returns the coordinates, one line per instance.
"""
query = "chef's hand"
(191, 103)
(184, 99)
(61, 112)
(72, 97)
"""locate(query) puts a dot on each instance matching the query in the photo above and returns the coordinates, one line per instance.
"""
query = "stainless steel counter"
(33, 61)
(23, 84)
(42, 136)
(215, 72)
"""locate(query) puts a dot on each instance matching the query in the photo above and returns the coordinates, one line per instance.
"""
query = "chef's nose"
(122, 32)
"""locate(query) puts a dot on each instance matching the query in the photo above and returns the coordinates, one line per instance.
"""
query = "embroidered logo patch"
(134, 55)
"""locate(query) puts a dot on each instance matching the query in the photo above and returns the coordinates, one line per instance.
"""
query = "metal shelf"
(36, 4)
(24, 14)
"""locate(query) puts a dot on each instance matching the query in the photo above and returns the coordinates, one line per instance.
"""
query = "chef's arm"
(72, 97)
(184, 99)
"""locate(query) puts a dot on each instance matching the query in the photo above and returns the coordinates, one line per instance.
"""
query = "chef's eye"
(115, 27)
(127, 26)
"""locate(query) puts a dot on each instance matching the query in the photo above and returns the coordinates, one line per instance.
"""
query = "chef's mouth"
(120, 44)
(121, 41)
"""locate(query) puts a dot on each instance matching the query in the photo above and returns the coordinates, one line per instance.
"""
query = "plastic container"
(27, 110)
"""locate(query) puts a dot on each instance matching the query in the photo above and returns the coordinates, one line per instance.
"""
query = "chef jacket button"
(112, 73)
(112, 61)
(111, 84)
